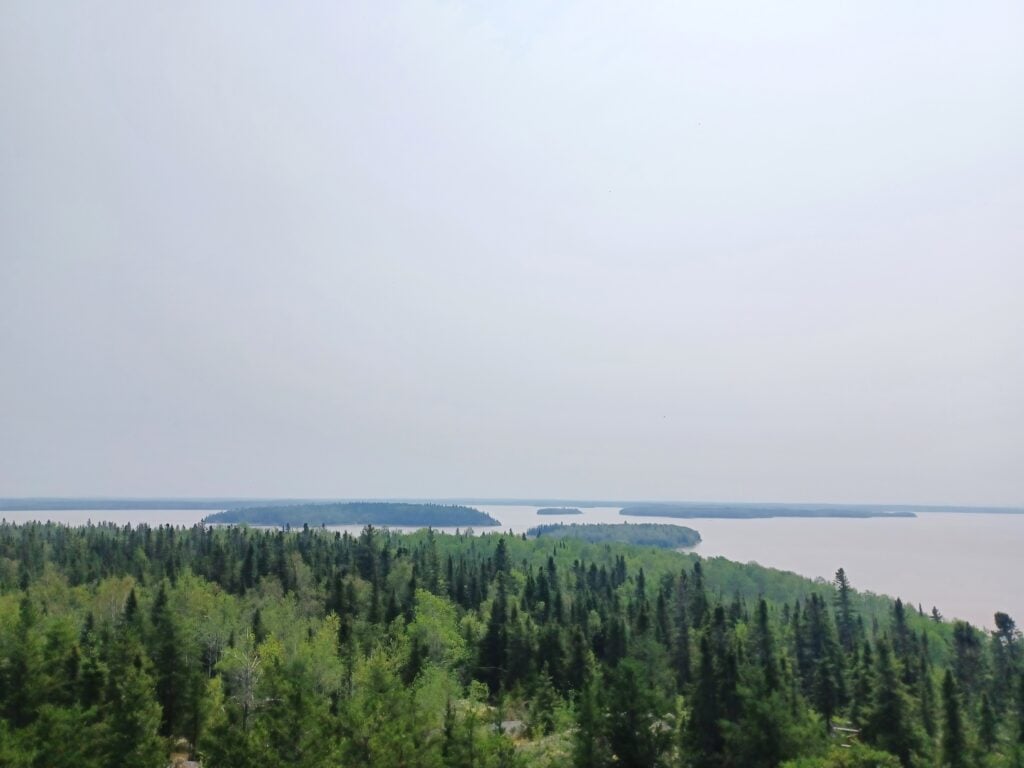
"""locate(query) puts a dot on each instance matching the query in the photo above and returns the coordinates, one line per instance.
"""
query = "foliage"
(663, 535)
(254, 647)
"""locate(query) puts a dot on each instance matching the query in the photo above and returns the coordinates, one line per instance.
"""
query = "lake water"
(968, 565)
(965, 564)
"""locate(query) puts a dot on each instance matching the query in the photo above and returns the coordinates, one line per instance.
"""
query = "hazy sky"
(716, 251)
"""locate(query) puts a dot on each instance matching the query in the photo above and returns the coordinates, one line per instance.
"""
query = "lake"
(966, 564)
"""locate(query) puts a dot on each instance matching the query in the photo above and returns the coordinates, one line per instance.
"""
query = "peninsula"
(661, 535)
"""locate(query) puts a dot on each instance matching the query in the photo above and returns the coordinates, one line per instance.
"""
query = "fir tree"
(954, 746)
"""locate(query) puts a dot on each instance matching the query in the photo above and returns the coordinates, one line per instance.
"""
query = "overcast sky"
(709, 251)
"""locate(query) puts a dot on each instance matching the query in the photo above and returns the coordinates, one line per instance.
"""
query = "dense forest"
(356, 513)
(240, 647)
(662, 535)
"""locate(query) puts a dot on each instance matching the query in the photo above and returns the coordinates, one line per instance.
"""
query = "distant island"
(691, 508)
(356, 513)
(559, 511)
(661, 535)
(749, 511)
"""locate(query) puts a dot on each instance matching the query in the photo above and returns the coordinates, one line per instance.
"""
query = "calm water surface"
(968, 565)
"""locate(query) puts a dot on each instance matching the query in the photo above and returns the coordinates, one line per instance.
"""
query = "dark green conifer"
(954, 745)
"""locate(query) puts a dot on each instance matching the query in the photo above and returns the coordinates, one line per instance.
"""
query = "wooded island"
(357, 513)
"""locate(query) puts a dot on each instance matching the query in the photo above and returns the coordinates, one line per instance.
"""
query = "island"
(661, 535)
(750, 511)
(356, 513)
(559, 511)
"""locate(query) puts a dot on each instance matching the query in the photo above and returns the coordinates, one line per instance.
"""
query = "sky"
(732, 251)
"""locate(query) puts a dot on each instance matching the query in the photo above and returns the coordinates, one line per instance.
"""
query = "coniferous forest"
(237, 647)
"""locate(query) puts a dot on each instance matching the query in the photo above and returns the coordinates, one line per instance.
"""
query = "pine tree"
(133, 718)
(863, 689)
(681, 639)
(987, 724)
(703, 736)
(1020, 710)
(166, 661)
(590, 749)
(635, 707)
(20, 674)
(846, 624)
(887, 725)
(698, 597)
(926, 695)
(544, 700)
(764, 649)
(968, 660)
(954, 746)
(494, 648)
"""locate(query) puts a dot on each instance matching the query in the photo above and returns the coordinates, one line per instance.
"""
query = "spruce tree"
(166, 662)
(1020, 710)
(702, 737)
(954, 745)
(887, 725)
(590, 749)
(846, 623)
(493, 650)
(986, 724)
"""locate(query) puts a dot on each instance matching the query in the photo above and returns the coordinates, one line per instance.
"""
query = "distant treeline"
(661, 535)
(559, 511)
(356, 513)
(747, 511)
(67, 503)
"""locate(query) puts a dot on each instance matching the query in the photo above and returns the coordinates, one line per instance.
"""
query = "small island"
(356, 513)
(661, 535)
(559, 511)
(751, 511)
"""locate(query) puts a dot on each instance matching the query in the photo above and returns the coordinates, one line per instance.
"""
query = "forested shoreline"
(752, 511)
(661, 535)
(252, 647)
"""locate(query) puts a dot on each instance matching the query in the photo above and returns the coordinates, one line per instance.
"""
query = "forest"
(559, 511)
(238, 647)
(356, 513)
(662, 535)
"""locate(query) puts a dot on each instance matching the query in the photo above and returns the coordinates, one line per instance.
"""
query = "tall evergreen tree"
(846, 621)
(986, 725)
(954, 744)
(166, 662)
(702, 737)
(888, 723)
(590, 744)
(494, 648)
